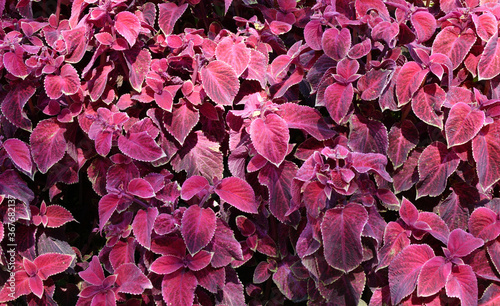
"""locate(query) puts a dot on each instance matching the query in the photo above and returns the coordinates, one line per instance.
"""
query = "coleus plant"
(250, 152)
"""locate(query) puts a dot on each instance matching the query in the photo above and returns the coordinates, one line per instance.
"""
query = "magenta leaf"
(193, 186)
(291, 286)
(107, 206)
(408, 81)
(424, 24)
(433, 276)
(257, 68)
(140, 146)
(178, 288)
(435, 165)
(403, 137)
(484, 223)
(491, 295)
(408, 212)
(236, 55)
(13, 104)
(94, 273)
(341, 230)
(131, 280)
(367, 136)
(374, 82)
(98, 83)
(336, 43)
(169, 14)
(19, 153)
(238, 193)
(463, 124)
(338, 100)
(461, 243)
(138, 62)
(143, 225)
(364, 162)
(52, 263)
(454, 43)
(140, 188)
(489, 63)
(306, 119)
(181, 121)
(58, 216)
(427, 104)
(224, 246)
(199, 261)
(167, 264)
(485, 25)
(462, 283)
(486, 149)
(395, 240)
(67, 82)
(14, 63)
(313, 32)
(128, 26)
(220, 82)
(48, 143)
(270, 138)
(76, 44)
(364, 6)
(197, 227)
(211, 279)
(405, 269)
(438, 228)
(454, 213)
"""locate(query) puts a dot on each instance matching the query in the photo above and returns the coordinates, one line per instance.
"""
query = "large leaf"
(224, 246)
(178, 288)
(236, 55)
(19, 153)
(336, 43)
(405, 268)
(489, 63)
(367, 136)
(138, 61)
(128, 25)
(220, 82)
(67, 82)
(169, 14)
(143, 225)
(13, 104)
(341, 231)
(454, 43)
(433, 276)
(461, 243)
(76, 44)
(140, 146)
(306, 119)
(435, 165)
(131, 280)
(486, 152)
(408, 81)
(463, 123)
(14, 63)
(52, 263)
(462, 283)
(403, 137)
(424, 24)
(338, 100)
(197, 227)
(270, 138)
(181, 121)
(48, 143)
(395, 240)
(192, 186)
(427, 104)
(238, 193)
(491, 295)
(485, 224)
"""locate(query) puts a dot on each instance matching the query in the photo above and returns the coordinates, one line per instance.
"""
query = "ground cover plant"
(250, 152)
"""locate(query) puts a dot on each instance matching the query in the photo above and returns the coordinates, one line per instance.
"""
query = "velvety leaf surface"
(489, 63)
(128, 25)
(220, 82)
(140, 146)
(484, 223)
(405, 268)
(427, 104)
(67, 82)
(463, 124)
(238, 193)
(336, 43)
(143, 225)
(131, 280)
(181, 121)
(462, 283)
(367, 136)
(486, 152)
(13, 104)
(341, 230)
(433, 276)
(408, 81)
(306, 119)
(454, 43)
(338, 99)
(224, 246)
(178, 288)
(461, 243)
(48, 144)
(395, 240)
(425, 25)
(236, 55)
(197, 227)
(403, 137)
(169, 14)
(435, 165)
(270, 137)
(19, 153)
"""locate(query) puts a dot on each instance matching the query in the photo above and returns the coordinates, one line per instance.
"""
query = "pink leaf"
(76, 44)
(424, 24)
(138, 61)
(211, 279)
(169, 14)
(131, 280)
(128, 26)
(462, 283)
(52, 263)
(367, 136)
(67, 82)
(484, 223)
(454, 43)
(489, 63)
(405, 268)
(140, 188)
(94, 273)
(438, 228)
(338, 100)
(486, 150)
(270, 137)
(364, 6)
(408, 81)
(14, 63)
(395, 240)
(220, 82)
(236, 55)
(279, 27)
(107, 206)
(197, 227)
(178, 288)
(336, 43)
(199, 261)
(192, 186)
(36, 286)
(181, 121)
(167, 264)
(143, 226)
(485, 25)
(13, 104)
(99, 81)
(224, 246)
(433, 276)
(48, 143)
(403, 137)
(435, 165)
(364, 162)
(122, 253)
(313, 32)
(19, 153)
(58, 216)
(341, 230)
(408, 212)
(307, 119)
(140, 146)
(463, 124)
(238, 193)
(257, 68)
(461, 243)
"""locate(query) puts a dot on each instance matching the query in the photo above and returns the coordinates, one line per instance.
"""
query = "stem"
(58, 11)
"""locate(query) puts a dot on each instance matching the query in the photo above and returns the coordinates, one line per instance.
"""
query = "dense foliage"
(250, 152)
